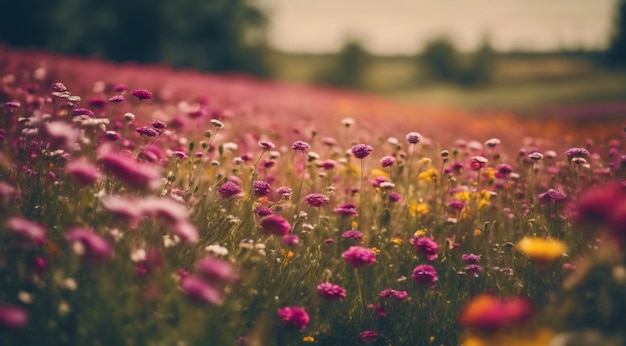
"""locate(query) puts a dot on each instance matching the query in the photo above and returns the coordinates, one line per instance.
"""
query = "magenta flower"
(397, 295)
(300, 146)
(262, 211)
(478, 162)
(125, 209)
(30, 233)
(425, 274)
(346, 209)
(316, 200)
(261, 188)
(368, 335)
(473, 270)
(147, 131)
(471, 258)
(359, 257)
(229, 189)
(552, 196)
(352, 235)
(284, 192)
(426, 246)
(331, 291)
(387, 161)
(186, 230)
(328, 164)
(215, 270)
(142, 94)
(199, 290)
(576, 152)
(131, 172)
(60, 135)
(456, 205)
(117, 99)
(291, 240)
(275, 224)
(294, 316)
(13, 317)
(83, 171)
(12, 106)
(95, 246)
(394, 197)
(413, 137)
(361, 151)
(266, 145)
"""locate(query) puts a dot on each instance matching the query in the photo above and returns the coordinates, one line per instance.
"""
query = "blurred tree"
(350, 66)
(479, 70)
(215, 35)
(441, 59)
(616, 53)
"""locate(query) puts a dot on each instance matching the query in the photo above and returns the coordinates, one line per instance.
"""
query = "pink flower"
(96, 247)
(359, 257)
(126, 209)
(13, 317)
(294, 316)
(131, 172)
(368, 335)
(261, 188)
(186, 230)
(83, 171)
(274, 224)
(199, 290)
(316, 200)
(331, 291)
(346, 209)
(397, 295)
(361, 151)
(215, 270)
(425, 274)
(413, 137)
(60, 135)
(30, 233)
(142, 94)
(229, 189)
(300, 146)
(426, 246)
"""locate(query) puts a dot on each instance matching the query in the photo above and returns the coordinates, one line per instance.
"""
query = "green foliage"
(217, 35)
(349, 67)
(616, 53)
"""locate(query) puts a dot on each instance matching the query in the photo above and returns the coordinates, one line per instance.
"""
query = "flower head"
(425, 274)
(413, 137)
(576, 152)
(331, 291)
(397, 295)
(83, 171)
(142, 94)
(359, 257)
(426, 246)
(265, 145)
(471, 258)
(261, 188)
(552, 196)
(488, 313)
(316, 200)
(13, 317)
(229, 189)
(29, 232)
(92, 244)
(274, 224)
(361, 151)
(131, 172)
(346, 209)
(294, 316)
(200, 290)
(352, 235)
(300, 146)
(478, 162)
(540, 249)
(387, 161)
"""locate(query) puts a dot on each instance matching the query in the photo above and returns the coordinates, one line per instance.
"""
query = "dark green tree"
(441, 59)
(349, 66)
(616, 53)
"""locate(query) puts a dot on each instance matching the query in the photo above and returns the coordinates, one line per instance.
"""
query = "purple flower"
(30, 233)
(456, 205)
(112, 136)
(387, 161)
(199, 290)
(95, 246)
(413, 137)
(266, 145)
(84, 111)
(60, 135)
(424, 274)
(97, 102)
(331, 291)
(361, 151)
(147, 131)
(368, 335)
(83, 171)
(397, 295)
(552, 196)
(504, 169)
(12, 106)
(352, 235)
(186, 230)
(275, 224)
(261, 188)
(346, 209)
(316, 200)
(300, 146)
(142, 94)
(215, 270)
(471, 258)
(117, 99)
(131, 172)
(159, 125)
(294, 316)
(394, 197)
(576, 152)
(426, 246)
(118, 88)
(285, 192)
(262, 211)
(473, 270)
(229, 189)
(291, 240)
(13, 317)
(359, 257)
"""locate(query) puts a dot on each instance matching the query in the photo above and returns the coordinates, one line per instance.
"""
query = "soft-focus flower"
(131, 172)
(387, 161)
(275, 224)
(60, 135)
(316, 200)
(116, 99)
(471, 258)
(576, 152)
(300, 146)
(552, 196)
(261, 188)
(266, 145)
(352, 235)
(368, 335)
(425, 274)
(331, 291)
(478, 162)
(215, 270)
(294, 316)
(492, 143)
(29, 232)
(426, 246)
(346, 209)
(284, 192)
(413, 137)
(199, 290)
(229, 189)
(488, 313)
(291, 240)
(95, 246)
(359, 257)
(540, 249)
(397, 295)
(142, 94)
(361, 151)
(13, 317)
(83, 171)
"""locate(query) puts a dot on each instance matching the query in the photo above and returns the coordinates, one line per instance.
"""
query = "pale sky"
(403, 26)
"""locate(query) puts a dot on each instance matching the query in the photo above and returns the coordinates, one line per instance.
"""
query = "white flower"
(217, 250)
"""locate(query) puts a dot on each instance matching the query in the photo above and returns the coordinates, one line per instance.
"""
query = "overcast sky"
(403, 26)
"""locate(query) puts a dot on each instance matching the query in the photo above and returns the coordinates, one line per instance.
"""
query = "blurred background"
(522, 55)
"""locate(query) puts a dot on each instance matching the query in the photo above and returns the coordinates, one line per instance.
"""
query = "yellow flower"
(379, 173)
(477, 232)
(308, 339)
(462, 196)
(489, 173)
(354, 224)
(396, 240)
(419, 208)
(540, 249)
(429, 175)
(426, 160)
(287, 254)
(376, 250)
(420, 233)
(431, 339)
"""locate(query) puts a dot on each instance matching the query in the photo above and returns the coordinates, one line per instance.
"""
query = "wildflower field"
(145, 206)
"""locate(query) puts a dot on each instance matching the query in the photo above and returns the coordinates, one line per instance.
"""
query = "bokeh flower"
(540, 249)
(361, 151)
(359, 257)
(229, 189)
(426, 246)
(330, 291)
(425, 274)
(294, 316)
(316, 200)
(274, 224)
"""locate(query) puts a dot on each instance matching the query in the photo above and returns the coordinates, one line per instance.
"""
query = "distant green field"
(519, 82)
